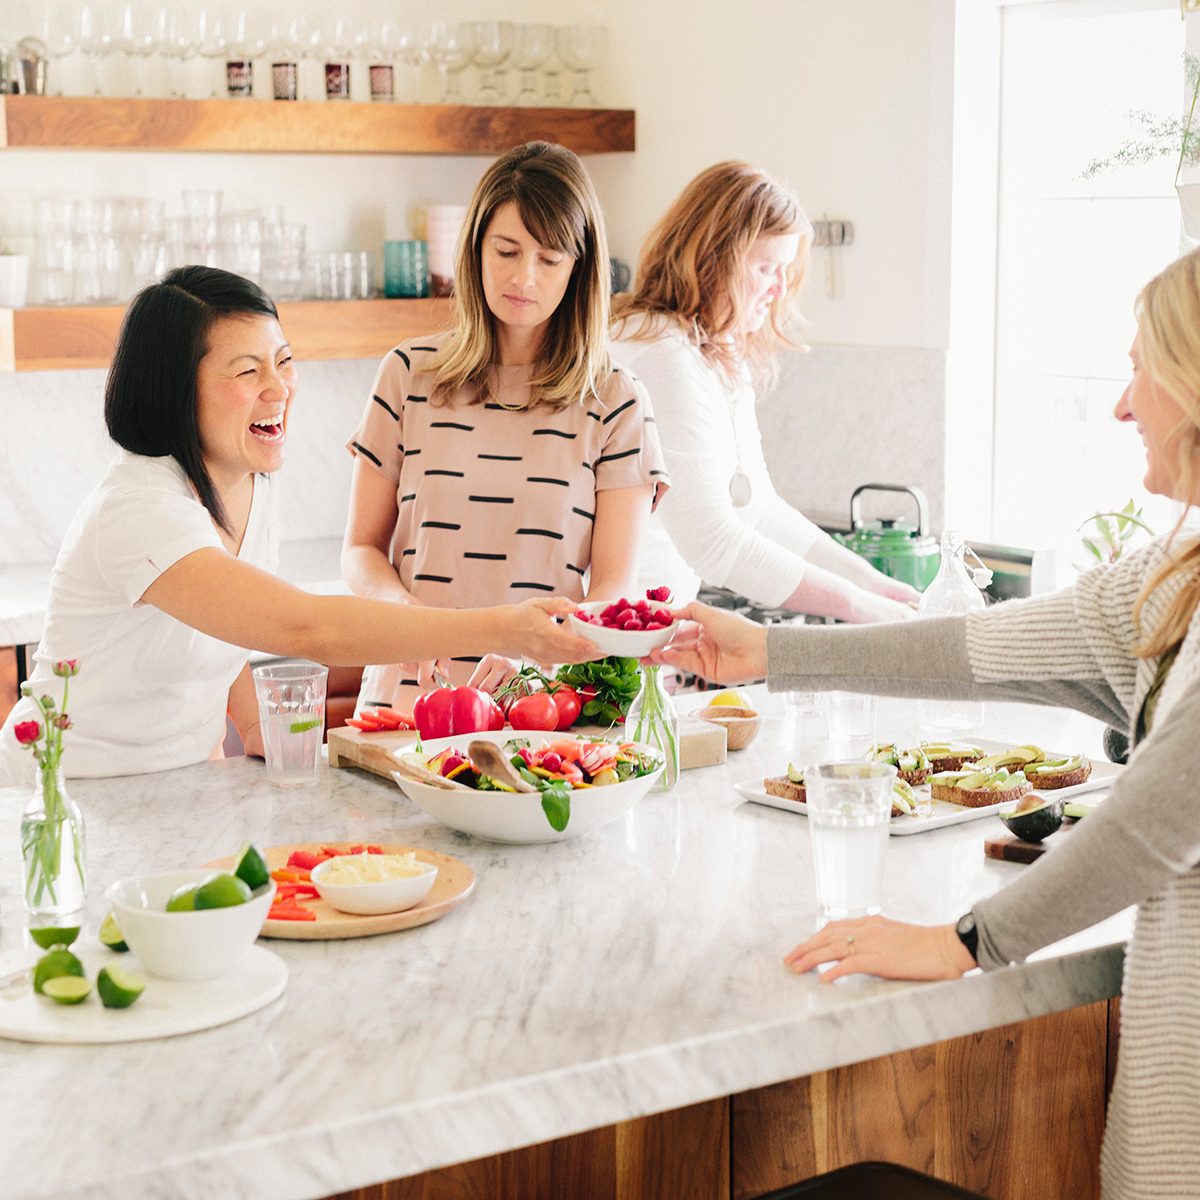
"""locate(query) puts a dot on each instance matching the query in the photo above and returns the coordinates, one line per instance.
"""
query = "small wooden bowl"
(741, 724)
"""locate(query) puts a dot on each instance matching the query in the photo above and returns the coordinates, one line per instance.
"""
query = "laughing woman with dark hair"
(163, 581)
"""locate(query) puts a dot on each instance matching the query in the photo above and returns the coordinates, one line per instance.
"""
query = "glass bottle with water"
(954, 592)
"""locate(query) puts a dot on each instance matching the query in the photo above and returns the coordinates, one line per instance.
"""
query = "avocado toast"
(976, 788)
(789, 786)
(911, 765)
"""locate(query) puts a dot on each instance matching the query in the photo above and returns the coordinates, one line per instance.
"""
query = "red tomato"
(534, 712)
(569, 703)
(498, 717)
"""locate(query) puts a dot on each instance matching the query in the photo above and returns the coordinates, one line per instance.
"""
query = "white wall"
(848, 102)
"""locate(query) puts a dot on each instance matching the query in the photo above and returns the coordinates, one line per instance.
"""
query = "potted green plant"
(1165, 137)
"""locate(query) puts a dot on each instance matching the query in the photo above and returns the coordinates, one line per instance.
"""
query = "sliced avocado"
(1077, 809)
(1056, 766)
(884, 752)
(970, 780)
(795, 774)
(903, 798)
(1037, 817)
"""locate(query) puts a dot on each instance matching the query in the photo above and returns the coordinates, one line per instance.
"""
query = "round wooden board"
(454, 884)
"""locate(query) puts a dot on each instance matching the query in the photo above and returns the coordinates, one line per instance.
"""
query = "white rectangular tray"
(944, 813)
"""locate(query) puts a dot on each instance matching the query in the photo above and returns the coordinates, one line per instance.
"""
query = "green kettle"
(896, 548)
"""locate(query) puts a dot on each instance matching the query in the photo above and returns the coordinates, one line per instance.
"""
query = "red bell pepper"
(450, 711)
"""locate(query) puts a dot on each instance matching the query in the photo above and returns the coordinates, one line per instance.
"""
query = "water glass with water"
(291, 707)
(849, 807)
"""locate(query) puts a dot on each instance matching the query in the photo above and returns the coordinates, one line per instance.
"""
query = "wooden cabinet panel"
(1015, 1113)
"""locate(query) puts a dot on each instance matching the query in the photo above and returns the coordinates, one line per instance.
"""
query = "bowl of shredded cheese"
(368, 884)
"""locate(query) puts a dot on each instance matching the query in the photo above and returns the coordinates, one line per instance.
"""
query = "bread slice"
(781, 785)
(954, 757)
(1050, 781)
(915, 778)
(977, 797)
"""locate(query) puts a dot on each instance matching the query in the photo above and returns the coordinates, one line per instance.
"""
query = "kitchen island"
(584, 986)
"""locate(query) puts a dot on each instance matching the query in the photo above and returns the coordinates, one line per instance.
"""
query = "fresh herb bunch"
(1112, 532)
(1159, 137)
(609, 686)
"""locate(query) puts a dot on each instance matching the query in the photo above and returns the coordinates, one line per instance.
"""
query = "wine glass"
(532, 48)
(449, 48)
(581, 47)
(288, 43)
(211, 41)
(180, 43)
(491, 45)
(245, 42)
(383, 40)
(140, 31)
(58, 31)
(95, 38)
(339, 40)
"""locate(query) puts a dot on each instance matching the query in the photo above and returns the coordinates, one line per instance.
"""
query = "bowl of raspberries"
(627, 628)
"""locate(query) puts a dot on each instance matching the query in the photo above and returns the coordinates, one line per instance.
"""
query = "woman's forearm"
(824, 594)
(369, 573)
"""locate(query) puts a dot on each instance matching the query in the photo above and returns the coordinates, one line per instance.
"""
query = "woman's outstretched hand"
(717, 645)
(880, 946)
(530, 631)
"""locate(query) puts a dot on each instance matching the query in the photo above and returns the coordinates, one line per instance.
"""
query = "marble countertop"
(312, 564)
(631, 971)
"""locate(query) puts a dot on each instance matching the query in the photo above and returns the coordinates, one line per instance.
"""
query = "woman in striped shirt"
(508, 457)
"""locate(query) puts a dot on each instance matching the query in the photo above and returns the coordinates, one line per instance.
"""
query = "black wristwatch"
(968, 934)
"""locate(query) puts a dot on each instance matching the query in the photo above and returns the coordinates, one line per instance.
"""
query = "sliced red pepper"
(374, 849)
(367, 726)
(304, 859)
(359, 849)
(284, 875)
(291, 914)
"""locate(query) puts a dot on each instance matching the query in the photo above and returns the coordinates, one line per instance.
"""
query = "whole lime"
(252, 867)
(52, 965)
(222, 891)
(183, 899)
(118, 988)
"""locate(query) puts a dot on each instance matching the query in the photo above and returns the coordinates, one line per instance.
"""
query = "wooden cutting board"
(701, 744)
(454, 883)
(1014, 849)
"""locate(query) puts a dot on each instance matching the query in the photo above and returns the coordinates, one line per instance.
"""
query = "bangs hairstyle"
(150, 394)
(1168, 344)
(558, 206)
(691, 265)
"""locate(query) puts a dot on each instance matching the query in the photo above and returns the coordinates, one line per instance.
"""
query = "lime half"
(304, 726)
(252, 867)
(183, 899)
(54, 935)
(111, 935)
(53, 965)
(67, 989)
(118, 988)
(222, 891)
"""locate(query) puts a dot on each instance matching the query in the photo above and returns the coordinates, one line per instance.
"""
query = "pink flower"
(27, 732)
(63, 721)
(67, 667)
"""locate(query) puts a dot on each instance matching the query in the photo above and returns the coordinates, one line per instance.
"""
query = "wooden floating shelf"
(68, 339)
(302, 127)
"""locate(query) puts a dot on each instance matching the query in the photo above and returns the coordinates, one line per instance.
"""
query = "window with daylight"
(1072, 254)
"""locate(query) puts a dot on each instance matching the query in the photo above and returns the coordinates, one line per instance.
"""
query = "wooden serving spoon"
(489, 758)
(383, 759)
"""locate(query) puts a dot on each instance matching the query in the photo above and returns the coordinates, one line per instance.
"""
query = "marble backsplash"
(841, 416)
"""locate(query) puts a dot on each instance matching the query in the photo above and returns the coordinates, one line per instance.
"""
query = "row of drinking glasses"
(235, 39)
(103, 250)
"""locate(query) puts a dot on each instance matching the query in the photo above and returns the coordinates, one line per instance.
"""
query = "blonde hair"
(558, 206)
(1168, 344)
(693, 259)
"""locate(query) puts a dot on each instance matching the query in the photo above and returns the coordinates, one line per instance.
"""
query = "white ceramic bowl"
(518, 816)
(627, 643)
(368, 899)
(184, 945)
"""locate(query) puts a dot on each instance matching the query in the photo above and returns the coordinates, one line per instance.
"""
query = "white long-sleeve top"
(707, 430)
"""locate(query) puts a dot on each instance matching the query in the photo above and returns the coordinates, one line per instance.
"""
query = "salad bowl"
(519, 817)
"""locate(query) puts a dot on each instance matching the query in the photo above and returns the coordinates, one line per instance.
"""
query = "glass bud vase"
(52, 848)
(652, 721)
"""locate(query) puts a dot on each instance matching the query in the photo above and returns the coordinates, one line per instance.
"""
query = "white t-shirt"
(697, 533)
(151, 692)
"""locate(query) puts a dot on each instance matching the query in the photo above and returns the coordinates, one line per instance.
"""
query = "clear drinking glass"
(581, 48)
(449, 48)
(291, 707)
(533, 44)
(58, 30)
(211, 43)
(491, 45)
(849, 807)
(140, 31)
(851, 718)
(96, 38)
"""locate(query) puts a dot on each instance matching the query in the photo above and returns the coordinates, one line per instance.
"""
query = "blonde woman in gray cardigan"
(1123, 645)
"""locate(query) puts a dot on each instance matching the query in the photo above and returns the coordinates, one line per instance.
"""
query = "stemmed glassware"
(244, 42)
(491, 46)
(288, 42)
(532, 48)
(140, 32)
(449, 48)
(581, 47)
(211, 41)
(95, 38)
(385, 41)
(58, 31)
(178, 43)
(340, 38)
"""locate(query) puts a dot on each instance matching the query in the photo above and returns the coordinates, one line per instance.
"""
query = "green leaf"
(1091, 548)
(556, 804)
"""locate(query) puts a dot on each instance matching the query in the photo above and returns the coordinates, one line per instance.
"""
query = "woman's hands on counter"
(717, 645)
(880, 946)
